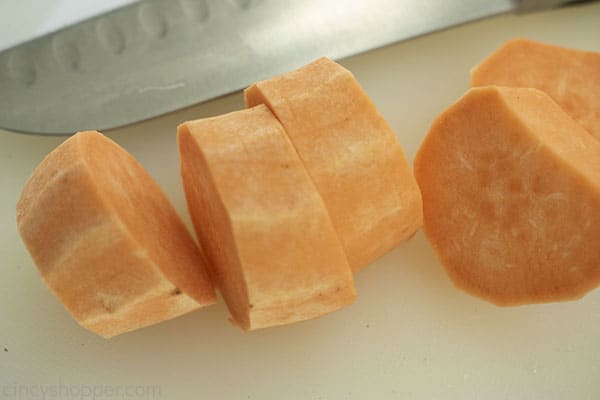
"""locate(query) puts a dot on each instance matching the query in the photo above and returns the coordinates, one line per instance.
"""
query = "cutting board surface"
(410, 335)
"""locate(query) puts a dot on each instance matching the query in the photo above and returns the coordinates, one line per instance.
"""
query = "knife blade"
(158, 56)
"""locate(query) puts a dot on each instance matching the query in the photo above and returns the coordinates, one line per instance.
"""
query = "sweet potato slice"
(511, 197)
(107, 241)
(351, 154)
(272, 249)
(570, 77)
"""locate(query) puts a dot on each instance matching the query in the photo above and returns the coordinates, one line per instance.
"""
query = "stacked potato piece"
(271, 246)
(570, 77)
(107, 241)
(351, 154)
(287, 197)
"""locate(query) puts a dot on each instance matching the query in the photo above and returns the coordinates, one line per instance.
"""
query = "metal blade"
(158, 56)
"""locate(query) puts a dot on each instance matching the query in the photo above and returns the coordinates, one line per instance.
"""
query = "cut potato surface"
(570, 77)
(107, 241)
(511, 197)
(272, 249)
(351, 154)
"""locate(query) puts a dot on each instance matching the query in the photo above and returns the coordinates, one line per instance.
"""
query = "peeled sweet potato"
(107, 241)
(351, 154)
(570, 77)
(271, 246)
(511, 197)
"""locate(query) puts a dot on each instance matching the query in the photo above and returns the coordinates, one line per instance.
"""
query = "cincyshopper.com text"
(80, 391)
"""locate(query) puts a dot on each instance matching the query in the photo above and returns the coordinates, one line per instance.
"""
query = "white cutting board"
(410, 335)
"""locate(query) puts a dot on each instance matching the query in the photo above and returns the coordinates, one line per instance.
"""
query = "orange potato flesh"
(107, 241)
(351, 154)
(272, 249)
(570, 77)
(511, 197)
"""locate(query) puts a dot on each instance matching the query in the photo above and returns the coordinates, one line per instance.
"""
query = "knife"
(158, 56)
